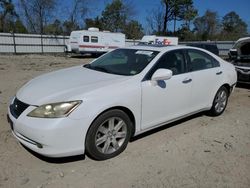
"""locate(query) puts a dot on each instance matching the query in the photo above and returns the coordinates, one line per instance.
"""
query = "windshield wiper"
(87, 65)
(102, 69)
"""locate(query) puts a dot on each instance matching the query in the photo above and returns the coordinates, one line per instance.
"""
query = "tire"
(108, 135)
(220, 102)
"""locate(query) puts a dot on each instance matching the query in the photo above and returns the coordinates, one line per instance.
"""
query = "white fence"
(30, 43)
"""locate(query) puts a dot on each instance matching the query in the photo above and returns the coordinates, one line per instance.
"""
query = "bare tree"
(38, 13)
(29, 20)
(78, 11)
(169, 6)
(155, 20)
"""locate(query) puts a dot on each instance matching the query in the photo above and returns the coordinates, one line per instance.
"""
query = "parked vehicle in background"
(240, 57)
(73, 45)
(240, 50)
(159, 40)
(212, 47)
(93, 41)
(98, 107)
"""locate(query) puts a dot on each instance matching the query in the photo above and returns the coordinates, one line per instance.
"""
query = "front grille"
(18, 107)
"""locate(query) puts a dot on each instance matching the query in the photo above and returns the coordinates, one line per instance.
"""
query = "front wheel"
(108, 135)
(220, 102)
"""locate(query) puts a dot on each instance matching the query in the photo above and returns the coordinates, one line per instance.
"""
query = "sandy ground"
(200, 151)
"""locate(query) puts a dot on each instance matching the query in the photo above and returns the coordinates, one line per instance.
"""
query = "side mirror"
(162, 74)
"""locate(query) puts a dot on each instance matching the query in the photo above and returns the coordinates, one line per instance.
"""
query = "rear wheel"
(109, 134)
(220, 101)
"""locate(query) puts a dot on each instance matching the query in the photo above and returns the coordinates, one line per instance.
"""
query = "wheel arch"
(228, 87)
(125, 110)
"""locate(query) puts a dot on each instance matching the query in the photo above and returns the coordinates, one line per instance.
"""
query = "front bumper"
(55, 137)
(243, 74)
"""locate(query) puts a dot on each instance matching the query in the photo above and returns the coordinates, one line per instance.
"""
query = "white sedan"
(98, 107)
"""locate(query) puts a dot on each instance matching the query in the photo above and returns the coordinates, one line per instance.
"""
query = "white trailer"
(95, 41)
(159, 40)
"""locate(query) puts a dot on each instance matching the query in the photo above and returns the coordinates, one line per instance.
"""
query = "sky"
(222, 7)
(143, 7)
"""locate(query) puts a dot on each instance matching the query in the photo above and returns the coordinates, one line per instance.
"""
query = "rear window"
(200, 60)
(210, 47)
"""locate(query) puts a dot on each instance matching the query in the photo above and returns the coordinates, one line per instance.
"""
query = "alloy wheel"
(220, 101)
(110, 135)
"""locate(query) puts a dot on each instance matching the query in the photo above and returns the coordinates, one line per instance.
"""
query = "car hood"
(66, 84)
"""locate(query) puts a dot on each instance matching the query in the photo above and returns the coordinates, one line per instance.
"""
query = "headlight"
(54, 110)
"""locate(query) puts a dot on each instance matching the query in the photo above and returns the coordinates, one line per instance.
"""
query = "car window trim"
(146, 77)
(202, 52)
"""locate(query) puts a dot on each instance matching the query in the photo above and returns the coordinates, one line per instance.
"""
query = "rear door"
(206, 74)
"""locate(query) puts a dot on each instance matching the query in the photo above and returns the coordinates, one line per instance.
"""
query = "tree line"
(36, 16)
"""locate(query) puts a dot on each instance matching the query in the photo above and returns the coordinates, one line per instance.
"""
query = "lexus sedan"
(96, 108)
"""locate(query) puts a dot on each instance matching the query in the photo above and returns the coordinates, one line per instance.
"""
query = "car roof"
(160, 48)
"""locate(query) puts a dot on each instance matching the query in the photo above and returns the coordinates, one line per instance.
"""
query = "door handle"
(218, 73)
(186, 81)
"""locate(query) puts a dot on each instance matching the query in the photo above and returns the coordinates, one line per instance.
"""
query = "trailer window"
(85, 38)
(94, 39)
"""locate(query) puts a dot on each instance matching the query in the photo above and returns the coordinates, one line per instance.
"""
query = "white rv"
(95, 41)
(159, 40)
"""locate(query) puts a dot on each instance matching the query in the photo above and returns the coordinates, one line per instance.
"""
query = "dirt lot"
(200, 151)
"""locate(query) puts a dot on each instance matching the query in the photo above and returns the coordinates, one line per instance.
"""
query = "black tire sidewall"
(90, 147)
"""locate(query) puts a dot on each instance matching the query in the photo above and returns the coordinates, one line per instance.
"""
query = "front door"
(168, 99)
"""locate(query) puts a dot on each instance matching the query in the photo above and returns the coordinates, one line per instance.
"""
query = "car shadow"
(167, 125)
(58, 160)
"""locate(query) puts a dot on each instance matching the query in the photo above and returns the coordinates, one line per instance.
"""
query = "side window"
(94, 39)
(85, 38)
(199, 60)
(173, 60)
(216, 63)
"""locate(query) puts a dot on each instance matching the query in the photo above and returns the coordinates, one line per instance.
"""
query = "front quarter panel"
(125, 94)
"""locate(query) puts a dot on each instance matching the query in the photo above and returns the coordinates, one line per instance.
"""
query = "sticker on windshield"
(141, 52)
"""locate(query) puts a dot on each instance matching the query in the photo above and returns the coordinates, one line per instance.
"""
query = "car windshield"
(123, 61)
